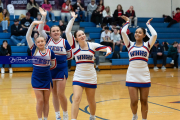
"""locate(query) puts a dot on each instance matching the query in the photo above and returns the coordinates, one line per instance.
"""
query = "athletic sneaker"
(65, 117)
(156, 68)
(92, 118)
(135, 118)
(23, 44)
(58, 118)
(97, 26)
(19, 44)
(2, 70)
(97, 69)
(172, 62)
(163, 67)
(10, 70)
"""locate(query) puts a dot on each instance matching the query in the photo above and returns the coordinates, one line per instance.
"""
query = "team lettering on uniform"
(138, 53)
(55, 48)
(85, 57)
(41, 61)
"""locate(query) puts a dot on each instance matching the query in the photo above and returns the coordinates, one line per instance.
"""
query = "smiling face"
(40, 42)
(55, 33)
(139, 34)
(80, 36)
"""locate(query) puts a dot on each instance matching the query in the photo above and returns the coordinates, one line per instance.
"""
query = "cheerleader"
(41, 76)
(85, 77)
(63, 52)
(138, 75)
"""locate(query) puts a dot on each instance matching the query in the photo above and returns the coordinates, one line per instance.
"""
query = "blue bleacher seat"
(97, 41)
(5, 35)
(50, 24)
(12, 17)
(19, 54)
(95, 35)
(8, 40)
(161, 30)
(19, 49)
(92, 30)
(160, 25)
(18, 65)
(155, 20)
(87, 24)
(168, 35)
(73, 63)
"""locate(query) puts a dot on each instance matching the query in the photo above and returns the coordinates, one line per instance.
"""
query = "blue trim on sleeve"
(68, 47)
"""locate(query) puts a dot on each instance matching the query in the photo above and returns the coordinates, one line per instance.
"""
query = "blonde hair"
(109, 13)
(37, 49)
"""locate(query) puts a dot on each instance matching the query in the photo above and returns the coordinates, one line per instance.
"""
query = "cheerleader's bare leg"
(77, 95)
(40, 102)
(46, 103)
(90, 93)
(144, 92)
(133, 93)
(55, 97)
(61, 84)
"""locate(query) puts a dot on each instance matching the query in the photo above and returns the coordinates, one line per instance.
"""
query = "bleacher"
(164, 34)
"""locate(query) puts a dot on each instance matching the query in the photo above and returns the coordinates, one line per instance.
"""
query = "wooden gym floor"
(18, 102)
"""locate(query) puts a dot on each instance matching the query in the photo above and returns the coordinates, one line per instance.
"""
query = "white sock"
(45, 118)
(96, 66)
(135, 115)
(57, 114)
(144, 119)
(65, 113)
(92, 116)
(39, 118)
(73, 119)
(172, 60)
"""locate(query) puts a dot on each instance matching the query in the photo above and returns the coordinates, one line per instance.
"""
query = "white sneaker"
(163, 67)
(97, 26)
(172, 62)
(92, 118)
(58, 118)
(23, 44)
(2, 70)
(19, 44)
(174, 67)
(135, 118)
(10, 70)
(65, 117)
(156, 68)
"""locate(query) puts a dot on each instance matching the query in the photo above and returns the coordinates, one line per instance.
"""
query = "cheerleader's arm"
(41, 27)
(153, 36)
(125, 36)
(69, 35)
(28, 36)
(68, 50)
(99, 47)
(53, 61)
